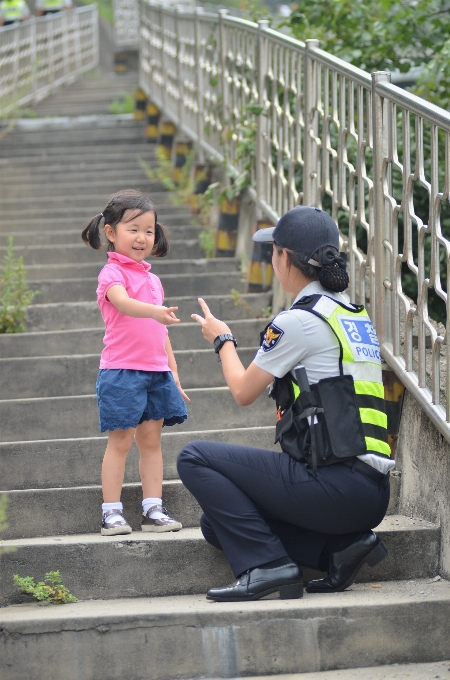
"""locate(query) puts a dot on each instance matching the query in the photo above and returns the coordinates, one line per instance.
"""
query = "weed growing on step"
(15, 295)
(207, 240)
(123, 104)
(3, 523)
(50, 590)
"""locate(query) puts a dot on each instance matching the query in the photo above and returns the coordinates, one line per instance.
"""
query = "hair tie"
(101, 215)
(328, 258)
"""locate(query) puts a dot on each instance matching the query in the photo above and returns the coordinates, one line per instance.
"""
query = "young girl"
(138, 389)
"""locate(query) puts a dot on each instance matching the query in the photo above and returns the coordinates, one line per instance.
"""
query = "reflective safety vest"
(52, 5)
(359, 357)
(12, 10)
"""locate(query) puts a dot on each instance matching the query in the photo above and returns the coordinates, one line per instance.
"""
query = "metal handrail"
(334, 137)
(39, 55)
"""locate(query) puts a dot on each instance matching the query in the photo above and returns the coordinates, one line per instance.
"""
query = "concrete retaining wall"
(423, 456)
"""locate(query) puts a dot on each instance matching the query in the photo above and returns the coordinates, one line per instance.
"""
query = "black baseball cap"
(303, 230)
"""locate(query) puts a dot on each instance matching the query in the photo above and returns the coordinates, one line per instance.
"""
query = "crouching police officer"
(315, 504)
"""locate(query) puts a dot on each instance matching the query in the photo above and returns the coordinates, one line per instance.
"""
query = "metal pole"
(380, 130)
(199, 82)
(310, 165)
(178, 65)
(223, 64)
(261, 129)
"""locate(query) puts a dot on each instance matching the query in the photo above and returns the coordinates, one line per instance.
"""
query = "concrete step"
(235, 640)
(62, 316)
(73, 236)
(30, 159)
(104, 130)
(82, 171)
(61, 376)
(63, 190)
(159, 638)
(90, 340)
(79, 290)
(160, 267)
(74, 252)
(418, 671)
(66, 417)
(143, 564)
(174, 215)
(50, 511)
(77, 510)
(64, 462)
(70, 203)
(83, 211)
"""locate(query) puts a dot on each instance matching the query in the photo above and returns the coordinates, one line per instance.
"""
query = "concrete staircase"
(142, 612)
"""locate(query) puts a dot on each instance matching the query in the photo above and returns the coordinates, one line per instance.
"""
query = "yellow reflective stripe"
(378, 446)
(374, 417)
(296, 389)
(373, 389)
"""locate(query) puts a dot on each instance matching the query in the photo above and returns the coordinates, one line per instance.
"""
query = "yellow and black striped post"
(394, 391)
(140, 104)
(182, 150)
(153, 116)
(260, 273)
(226, 235)
(202, 180)
(120, 62)
(166, 136)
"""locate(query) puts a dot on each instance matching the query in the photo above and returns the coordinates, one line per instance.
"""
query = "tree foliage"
(378, 35)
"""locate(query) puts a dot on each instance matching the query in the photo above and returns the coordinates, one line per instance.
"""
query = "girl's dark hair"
(114, 212)
(331, 274)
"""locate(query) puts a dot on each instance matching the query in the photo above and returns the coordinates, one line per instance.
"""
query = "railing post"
(199, 83)
(380, 311)
(33, 59)
(310, 151)
(261, 129)
(179, 75)
(223, 65)
(163, 55)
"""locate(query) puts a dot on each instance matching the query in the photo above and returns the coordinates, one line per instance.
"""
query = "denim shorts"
(127, 397)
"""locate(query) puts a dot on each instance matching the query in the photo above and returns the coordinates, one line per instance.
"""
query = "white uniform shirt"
(299, 337)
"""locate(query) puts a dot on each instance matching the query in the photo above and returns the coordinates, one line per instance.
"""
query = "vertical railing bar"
(379, 217)
(310, 118)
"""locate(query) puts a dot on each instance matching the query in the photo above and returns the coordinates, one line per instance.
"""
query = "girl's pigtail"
(91, 232)
(161, 246)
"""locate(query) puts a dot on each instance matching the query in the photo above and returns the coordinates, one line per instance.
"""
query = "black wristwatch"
(221, 340)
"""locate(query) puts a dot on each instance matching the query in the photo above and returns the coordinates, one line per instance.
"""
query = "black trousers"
(261, 505)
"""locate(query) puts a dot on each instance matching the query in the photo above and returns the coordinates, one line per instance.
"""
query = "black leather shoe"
(345, 564)
(257, 583)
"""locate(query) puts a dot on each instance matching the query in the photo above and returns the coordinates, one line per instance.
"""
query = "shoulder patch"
(272, 337)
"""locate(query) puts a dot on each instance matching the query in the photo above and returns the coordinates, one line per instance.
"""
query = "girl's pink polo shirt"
(131, 343)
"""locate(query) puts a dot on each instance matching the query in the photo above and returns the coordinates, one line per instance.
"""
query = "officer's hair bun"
(333, 278)
(333, 275)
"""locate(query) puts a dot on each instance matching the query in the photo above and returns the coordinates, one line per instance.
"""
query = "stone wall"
(423, 456)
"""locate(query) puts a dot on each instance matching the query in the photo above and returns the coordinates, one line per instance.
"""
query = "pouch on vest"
(326, 431)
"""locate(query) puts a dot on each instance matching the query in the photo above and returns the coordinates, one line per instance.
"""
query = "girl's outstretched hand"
(165, 315)
(211, 327)
(182, 392)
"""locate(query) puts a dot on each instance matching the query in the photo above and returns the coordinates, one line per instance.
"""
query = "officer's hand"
(211, 327)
